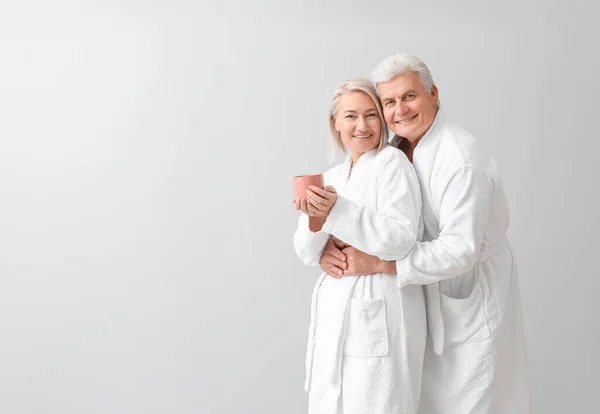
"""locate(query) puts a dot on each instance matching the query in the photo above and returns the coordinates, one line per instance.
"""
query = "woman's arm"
(390, 230)
(309, 244)
(309, 241)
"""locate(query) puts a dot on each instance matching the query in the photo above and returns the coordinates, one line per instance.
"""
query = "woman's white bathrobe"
(475, 362)
(367, 337)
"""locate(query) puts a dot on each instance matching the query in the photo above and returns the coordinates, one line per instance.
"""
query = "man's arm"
(464, 212)
(464, 204)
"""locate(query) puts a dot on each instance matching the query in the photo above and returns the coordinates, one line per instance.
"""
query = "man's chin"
(407, 133)
(400, 133)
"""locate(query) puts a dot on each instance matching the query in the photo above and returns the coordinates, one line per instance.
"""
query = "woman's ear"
(335, 125)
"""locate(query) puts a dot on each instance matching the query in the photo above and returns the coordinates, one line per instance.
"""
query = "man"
(475, 359)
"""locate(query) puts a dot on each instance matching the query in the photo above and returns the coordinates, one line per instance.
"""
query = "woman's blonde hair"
(356, 85)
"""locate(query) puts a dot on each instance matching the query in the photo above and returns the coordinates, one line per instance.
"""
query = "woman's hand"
(301, 204)
(320, 200)
(315, 221)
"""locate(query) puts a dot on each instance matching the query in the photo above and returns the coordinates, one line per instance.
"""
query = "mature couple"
(418, 308)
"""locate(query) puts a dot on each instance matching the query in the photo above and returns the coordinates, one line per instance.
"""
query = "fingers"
(318, 204)
(315, 198)
(312, 211)
(304, 205)
(322, 203)
(350, 272)
(333, 250)
(348, 250)
(338, 243)
(330, 189)
(308, 208)
(333, 261)
(332, 270)
(301, 204)
(330, 261)
(327, 192)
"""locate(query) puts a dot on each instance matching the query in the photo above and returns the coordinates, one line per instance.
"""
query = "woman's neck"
(355, 156)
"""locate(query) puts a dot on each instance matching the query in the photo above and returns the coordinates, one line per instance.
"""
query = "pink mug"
(301, 183)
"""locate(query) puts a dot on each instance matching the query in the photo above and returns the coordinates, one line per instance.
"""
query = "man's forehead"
(401, 83)
(393, 90)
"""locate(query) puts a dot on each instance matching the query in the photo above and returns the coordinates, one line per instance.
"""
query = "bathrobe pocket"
(464, 319)
(366, 334)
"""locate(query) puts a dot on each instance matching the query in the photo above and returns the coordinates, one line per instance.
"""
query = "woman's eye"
(349, 116)
(373, 115)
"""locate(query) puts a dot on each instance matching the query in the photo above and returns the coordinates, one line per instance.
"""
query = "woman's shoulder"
(394, 165)
(392, 155)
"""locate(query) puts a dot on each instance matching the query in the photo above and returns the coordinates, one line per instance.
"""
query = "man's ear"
(435, 95)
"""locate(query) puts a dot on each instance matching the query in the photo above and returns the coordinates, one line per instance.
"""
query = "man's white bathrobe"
(367, 337)
(475, 361)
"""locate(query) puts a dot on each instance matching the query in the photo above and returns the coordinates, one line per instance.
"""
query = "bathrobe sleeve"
(309, 245)
(463, 195)
(388, 231)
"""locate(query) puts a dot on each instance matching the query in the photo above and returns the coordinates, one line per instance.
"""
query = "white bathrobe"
(475, 361)
(367, 337)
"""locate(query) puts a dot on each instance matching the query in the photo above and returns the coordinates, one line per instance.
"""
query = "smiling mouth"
(361, 136)
(404, 121)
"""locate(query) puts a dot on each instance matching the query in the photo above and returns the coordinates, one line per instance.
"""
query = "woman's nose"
(362, 124)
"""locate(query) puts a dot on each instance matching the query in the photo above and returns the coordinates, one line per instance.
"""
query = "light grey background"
(146, 259)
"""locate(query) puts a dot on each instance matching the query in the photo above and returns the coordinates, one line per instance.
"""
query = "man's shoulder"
(454, 136)
(459, 147)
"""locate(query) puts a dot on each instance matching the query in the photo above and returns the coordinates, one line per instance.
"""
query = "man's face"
(408, 109)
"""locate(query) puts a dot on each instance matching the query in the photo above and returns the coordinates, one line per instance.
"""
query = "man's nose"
(401, 107)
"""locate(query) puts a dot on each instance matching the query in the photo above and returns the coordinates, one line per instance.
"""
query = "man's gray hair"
(402, 63)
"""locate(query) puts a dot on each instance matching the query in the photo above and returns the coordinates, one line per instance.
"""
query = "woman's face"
(358, 122)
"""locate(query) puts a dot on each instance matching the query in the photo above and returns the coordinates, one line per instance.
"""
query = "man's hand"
(333, 261)
(360, 263)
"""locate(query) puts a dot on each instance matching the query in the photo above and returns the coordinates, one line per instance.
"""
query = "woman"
(367, 336)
